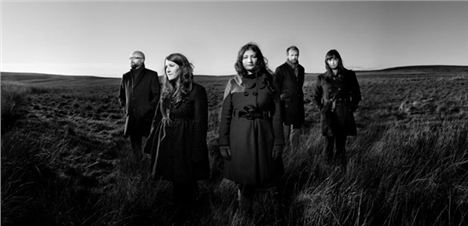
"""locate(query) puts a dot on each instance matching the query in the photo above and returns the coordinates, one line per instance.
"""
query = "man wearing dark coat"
(289, 78)
(337, 95)
(139, 96)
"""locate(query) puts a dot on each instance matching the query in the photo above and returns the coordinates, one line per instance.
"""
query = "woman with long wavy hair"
(250, 132)
(177, 142)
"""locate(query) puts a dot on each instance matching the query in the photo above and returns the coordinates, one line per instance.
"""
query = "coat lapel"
(291, 72)
(139, 78)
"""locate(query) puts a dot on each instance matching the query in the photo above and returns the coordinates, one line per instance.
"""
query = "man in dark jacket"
(289, 79)
(139, 96)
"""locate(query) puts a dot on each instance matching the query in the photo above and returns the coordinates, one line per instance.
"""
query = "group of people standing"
(262, 116)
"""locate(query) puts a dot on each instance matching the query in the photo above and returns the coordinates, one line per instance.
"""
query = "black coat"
(251, 139)
(292, 96)
(183, 152)
(337, 97)
(139, 97)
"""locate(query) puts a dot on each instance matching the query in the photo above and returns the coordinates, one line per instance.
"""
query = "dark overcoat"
(139, 96)
(337, 97)
(183, 153)
(292, 96)
(251, 139)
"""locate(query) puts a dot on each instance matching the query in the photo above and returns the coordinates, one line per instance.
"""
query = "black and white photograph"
(234, 112)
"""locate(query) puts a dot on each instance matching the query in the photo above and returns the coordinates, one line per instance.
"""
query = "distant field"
(65, 162)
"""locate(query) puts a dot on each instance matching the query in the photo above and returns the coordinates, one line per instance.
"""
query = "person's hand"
(225, 151)
(277, 151)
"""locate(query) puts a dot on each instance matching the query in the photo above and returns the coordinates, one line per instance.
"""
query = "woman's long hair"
(261, 68)
(174, 92)
(334, 54)
(262, 62)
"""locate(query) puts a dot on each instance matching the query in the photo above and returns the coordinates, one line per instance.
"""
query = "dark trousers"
(136, 141)
(245, 198)
(339, 156)
(291, 135)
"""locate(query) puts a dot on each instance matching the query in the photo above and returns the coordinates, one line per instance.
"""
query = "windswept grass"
(13, 96)
(411, 174)
(65, 163)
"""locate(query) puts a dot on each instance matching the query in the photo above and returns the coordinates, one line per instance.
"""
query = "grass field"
(65, 162)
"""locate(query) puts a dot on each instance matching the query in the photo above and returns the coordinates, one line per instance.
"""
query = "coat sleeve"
(355, 91)
(278, 80)
(201, 119)
(155, 90)
(152, 140)
(301, 82)
(277, 122)
(318, 92)
(122, 92)
(226, 116)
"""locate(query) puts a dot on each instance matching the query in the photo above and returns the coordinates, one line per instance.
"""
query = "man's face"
(293, 56)
(136, 60)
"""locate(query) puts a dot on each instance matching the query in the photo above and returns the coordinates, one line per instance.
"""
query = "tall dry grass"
(407, 174)
(13, 96)
(68, 165)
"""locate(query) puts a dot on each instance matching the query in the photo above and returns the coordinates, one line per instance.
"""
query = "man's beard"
(134, 66)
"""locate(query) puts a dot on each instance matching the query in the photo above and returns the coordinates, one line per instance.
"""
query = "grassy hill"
(65, 162)
(422, 71)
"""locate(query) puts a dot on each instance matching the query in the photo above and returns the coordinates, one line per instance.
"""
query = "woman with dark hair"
(337, 95)
(250, 132)
(177, 142)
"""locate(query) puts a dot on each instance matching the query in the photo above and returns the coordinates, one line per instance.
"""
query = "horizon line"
(356, 70)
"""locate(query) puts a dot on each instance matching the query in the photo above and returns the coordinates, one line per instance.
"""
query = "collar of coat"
(141, 72)
(341, 74)
(293, 66)
(236, 85)
(141, 68)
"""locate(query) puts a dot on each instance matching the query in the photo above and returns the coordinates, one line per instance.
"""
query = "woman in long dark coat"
(337, 95)
(177, 141)
(250, 133)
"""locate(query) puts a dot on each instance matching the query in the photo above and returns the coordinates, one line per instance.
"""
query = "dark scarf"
(137, 72)
(295, 67)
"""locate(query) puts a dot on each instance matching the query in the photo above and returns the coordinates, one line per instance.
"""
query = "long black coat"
(139, 97)
(183, 153)
(251, 139)
(337, 97)
(290, 87)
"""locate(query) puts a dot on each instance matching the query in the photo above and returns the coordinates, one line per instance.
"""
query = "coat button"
(255, 93)
(246, 93)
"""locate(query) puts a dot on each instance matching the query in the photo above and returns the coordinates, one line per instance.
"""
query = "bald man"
(139, 96)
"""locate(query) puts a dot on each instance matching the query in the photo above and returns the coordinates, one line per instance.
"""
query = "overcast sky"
(96, 37)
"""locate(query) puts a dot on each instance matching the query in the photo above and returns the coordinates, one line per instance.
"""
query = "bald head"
(138, 54)
(137, 59)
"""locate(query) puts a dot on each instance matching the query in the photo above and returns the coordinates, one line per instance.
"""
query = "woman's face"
(333, 63)
(249, 60)
(172, 70)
